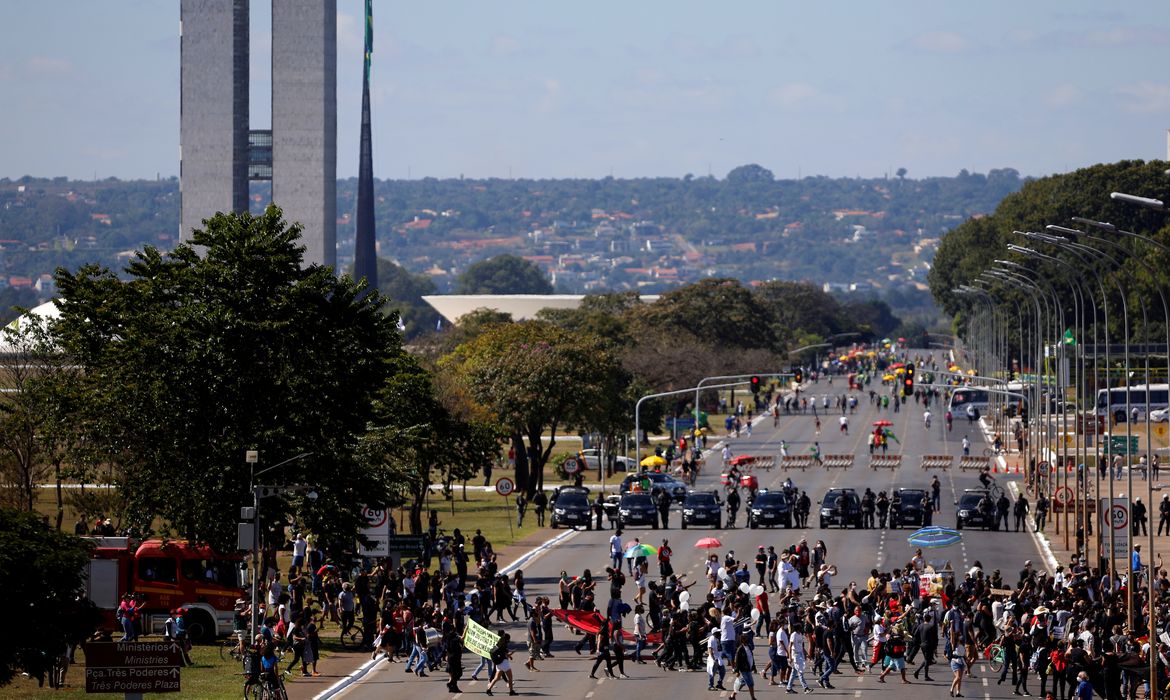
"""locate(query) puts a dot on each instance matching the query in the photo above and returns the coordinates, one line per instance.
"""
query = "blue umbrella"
(934, 537)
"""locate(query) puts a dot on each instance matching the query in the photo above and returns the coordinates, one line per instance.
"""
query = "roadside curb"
(361, 671)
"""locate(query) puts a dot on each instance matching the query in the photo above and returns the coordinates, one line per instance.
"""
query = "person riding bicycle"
(732, 505)
(926, 419)
(985, 477)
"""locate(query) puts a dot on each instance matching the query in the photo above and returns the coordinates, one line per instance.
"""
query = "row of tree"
(974, 246)
(159, 380)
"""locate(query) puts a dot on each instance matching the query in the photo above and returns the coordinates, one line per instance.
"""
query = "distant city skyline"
(538, 90)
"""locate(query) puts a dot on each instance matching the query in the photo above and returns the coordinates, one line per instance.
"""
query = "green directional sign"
(1118, 445)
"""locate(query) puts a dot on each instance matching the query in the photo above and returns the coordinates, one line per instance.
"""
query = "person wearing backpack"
(743, 668)
(500, 656)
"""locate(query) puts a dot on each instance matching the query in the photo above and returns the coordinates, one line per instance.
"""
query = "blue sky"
(526, 88)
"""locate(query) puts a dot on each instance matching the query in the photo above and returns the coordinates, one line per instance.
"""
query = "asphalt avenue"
(854, 552)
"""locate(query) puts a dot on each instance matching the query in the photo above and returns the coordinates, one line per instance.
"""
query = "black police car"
(702, 508)
(658, 482)
(832, 515)
(571, 507)
(910, 510)
(969, 514)
(637, 509)
(770, 508)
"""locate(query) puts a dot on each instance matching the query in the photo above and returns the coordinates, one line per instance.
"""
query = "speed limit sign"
(572, 465)
(1119, 516)
(1063, 495)
(505, 486)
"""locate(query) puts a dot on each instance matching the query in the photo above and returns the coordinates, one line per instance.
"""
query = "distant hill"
(650, 234)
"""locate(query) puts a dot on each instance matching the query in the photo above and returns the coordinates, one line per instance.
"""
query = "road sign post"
(504, 487)
(1115, 527)
(132, 668)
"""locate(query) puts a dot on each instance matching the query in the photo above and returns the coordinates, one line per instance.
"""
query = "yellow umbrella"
(871, 353)
(900, 370)
(888, 378)
(653, 461)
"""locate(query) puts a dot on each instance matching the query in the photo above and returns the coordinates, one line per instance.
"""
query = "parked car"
(770, 508)
(637, 509)
(910, 510)
(702, 508)
(832, 515)
(967, 513)
(571, 507)
(658, 482)
(1159, 415)
(591, 459)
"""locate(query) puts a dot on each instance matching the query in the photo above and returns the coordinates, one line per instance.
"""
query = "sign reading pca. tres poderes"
(132, 667)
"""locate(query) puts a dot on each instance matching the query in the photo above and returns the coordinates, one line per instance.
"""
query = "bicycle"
(232, 648)
(351, 635)
(993, 653)
(270, 687)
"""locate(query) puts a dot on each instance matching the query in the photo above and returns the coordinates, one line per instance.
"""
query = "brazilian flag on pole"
(1068, 337)
(369, 36)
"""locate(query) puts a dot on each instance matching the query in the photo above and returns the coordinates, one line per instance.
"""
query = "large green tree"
(537, 378)
(503, 274)
(40, 573)
(226, 344)
(404, 293)
(414, 438)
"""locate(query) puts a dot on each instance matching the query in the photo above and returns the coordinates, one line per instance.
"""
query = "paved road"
(854, 552)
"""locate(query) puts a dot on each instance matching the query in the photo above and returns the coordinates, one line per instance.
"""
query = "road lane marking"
(984, 682)
(589, 694)
(857, 693)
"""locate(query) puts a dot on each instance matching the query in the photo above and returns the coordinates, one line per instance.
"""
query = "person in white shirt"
(778, 644)
(715, 661)
(615, 550)
(274, 591)
(727, 631)
(797, 656)
(789, 576)
(300, 547)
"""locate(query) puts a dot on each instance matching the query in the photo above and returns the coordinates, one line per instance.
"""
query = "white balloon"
(757, 590)
(721, 573)
(755, 614)
(744, 587)
(684, 597)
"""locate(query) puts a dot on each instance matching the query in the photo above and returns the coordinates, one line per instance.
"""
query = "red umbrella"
(883, 423)
(709, 543)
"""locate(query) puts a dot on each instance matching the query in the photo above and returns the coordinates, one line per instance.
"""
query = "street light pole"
(638, 414)
(252, 457)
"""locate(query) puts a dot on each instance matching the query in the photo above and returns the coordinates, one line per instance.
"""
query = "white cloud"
(1063, 96)
(793, 94)
(1145, 97)
(48, 66)
(941, 42)
(504, 46)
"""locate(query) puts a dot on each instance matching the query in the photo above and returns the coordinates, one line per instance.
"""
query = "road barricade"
(973, 462)
(796, 462)
(937, 461)
(837, 461)
(885, 462)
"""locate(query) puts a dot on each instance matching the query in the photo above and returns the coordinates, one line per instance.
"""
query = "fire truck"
(168, 574)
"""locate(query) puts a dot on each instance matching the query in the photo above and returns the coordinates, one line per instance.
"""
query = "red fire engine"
(170, 574)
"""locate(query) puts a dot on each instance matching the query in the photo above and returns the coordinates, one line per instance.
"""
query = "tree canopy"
(41, 573)
(227, 344)
(503, 274)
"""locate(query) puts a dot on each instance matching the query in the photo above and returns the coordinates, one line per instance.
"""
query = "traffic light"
(755, 382)
(908, 381)
(798, 375)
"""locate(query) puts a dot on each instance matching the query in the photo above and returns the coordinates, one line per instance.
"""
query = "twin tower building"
(220, 154)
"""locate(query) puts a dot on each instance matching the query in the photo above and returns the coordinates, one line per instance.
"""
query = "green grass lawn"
(209, 679)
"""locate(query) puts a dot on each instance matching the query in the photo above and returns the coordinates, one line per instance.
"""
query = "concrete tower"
(365, 254)
(304, 121)
(218, 154)
(213, 110)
